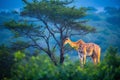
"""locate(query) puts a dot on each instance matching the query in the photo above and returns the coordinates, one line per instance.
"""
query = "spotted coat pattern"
(88, 49)
(85, 49)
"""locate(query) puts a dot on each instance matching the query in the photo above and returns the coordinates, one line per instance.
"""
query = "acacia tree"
(56, 21)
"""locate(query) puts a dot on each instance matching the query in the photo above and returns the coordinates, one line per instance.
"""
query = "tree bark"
(61, 55)
(53, 59)
(61, 47)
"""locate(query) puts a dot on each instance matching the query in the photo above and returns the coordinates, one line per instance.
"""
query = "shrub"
(40, 67)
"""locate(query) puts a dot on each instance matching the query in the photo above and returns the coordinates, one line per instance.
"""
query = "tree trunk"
(61, 55)
(61, 48)
(53, 59)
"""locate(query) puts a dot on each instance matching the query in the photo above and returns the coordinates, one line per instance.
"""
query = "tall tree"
(56, 20)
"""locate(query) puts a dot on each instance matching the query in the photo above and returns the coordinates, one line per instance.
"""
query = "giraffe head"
(67, 40)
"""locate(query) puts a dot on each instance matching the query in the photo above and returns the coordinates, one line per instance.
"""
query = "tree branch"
(36, 43)
(46, 25)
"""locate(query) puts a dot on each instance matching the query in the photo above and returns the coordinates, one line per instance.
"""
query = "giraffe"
(85, 49)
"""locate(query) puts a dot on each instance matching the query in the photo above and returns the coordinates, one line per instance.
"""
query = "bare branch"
(56, 25)
(55, 31)
(54, 47)
(36, 43)
(46, 25)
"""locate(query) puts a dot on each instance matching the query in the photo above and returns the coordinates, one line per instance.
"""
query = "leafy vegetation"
(40, 67)
(6, 61)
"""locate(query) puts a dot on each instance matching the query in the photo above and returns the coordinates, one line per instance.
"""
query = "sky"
(15, 4)
(10, 4)
(98, 3)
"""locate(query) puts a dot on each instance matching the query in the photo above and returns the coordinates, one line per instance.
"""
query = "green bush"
(6, 62)
(40, 67)
(19, 55)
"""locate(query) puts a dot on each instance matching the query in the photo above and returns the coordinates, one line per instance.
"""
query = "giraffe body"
(89, 49)
(85, 49)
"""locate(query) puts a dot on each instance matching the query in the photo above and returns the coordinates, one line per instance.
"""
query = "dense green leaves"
(53, 10)
(6, 62)
(60, 14)
(19, 55)
(20, 45)
(12, 24)
(112, 58)
(23, 29)
(41, 68)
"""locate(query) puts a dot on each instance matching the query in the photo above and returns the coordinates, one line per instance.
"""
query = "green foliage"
(20, 45)
(19, 55)
(22, 29)
(57, 11)
(36, 67)
(12, 24)
(109, 67)
(111, 57)
(54, 10)
(18, 28)
(40, 67)
(6, 61)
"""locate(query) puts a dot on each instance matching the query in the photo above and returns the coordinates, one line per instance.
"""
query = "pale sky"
(14, 4)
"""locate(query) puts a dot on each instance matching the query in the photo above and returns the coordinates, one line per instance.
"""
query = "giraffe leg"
(81, 61)
(98, 56)
(81, 58)
(84, 59)
(94, 60)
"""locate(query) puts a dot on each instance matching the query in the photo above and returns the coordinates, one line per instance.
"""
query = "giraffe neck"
(76, 44)
(73, 44)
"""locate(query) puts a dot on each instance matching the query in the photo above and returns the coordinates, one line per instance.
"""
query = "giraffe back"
(88, 48)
